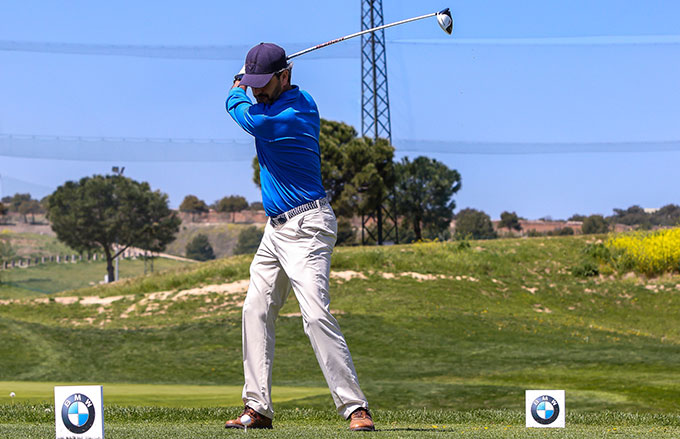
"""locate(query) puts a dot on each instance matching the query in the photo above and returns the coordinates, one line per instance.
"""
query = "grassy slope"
(34, 245)
(223, 237)
(522, 322)
(52, 278)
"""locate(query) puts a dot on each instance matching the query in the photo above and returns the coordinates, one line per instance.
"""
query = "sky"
(547, 109)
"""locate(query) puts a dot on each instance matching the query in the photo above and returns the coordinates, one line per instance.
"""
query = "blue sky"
(545, 108)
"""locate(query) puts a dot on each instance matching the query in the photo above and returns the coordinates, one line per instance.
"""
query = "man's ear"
(286, 74)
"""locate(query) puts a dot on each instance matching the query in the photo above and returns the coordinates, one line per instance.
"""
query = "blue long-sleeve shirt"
(287, 142)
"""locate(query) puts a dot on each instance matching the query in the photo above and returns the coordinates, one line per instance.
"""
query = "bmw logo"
(545, 409)
(77, 412)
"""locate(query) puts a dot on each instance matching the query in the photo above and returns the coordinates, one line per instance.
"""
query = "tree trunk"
(109, 264)
(416, 229)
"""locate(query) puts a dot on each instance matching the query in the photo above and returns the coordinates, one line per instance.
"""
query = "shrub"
(594, 224)
(474, 224)
(587, 268)
(200, 249)
(248, 240)
(650, 253)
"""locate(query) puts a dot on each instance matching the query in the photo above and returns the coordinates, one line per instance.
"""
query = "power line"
(109, 149)
(346, 50)
(533, 148)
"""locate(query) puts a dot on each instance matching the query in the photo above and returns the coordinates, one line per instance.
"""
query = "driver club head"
(445, 20)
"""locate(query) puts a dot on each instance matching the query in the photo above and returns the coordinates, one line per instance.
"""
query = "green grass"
(37, 421)
(494, 320)
(52, 278)
(157, 395)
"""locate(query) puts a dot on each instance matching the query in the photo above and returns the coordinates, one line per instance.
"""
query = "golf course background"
(445, 337)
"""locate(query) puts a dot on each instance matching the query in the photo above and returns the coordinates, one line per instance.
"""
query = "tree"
(29, 207)
(256, 205)
(3, 211)
(633, 216)
(577, 217)
(248, 240)
(594, 224)
(424, 191)
(193, 204)
(474, 224)
(15, 201)
(233, 204)
(111, 213)
(668, 215)
(510, 221)
(200, 249)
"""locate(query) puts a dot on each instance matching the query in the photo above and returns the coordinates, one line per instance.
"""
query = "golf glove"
(240, 74)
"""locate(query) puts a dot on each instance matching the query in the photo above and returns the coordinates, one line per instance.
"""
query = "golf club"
(443, 18)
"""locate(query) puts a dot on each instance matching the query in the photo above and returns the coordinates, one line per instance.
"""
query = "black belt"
(280, 220)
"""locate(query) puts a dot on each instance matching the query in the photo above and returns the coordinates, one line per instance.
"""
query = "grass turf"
(471, 331)
(36, 421)
(38, 280)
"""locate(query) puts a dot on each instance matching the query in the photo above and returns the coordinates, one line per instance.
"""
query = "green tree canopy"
(30, 207)
(474, 224)
(248, 240)
(594, 224)
(424, 191)
(15, 201)
(232, 203)
(634, 215)
(356, 172)
(668, 215)
(577, 217)
(193, 204)
(510, 221)
(256, 205)
(100, 211)
(200, 249)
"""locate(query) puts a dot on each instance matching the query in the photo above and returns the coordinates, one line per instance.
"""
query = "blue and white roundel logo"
(545, 410)
(78, 413)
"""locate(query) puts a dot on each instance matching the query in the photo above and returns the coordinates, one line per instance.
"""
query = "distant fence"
(70, 259)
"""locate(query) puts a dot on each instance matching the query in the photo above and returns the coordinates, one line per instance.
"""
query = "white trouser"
(297, 254)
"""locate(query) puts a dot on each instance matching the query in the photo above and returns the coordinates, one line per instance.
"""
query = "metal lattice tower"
(375, 111)
(375, 101)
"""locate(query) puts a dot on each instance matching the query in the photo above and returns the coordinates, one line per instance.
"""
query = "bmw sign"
(79, 412)
(545, 408)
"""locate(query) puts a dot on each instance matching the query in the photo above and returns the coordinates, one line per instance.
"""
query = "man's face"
(271, 92)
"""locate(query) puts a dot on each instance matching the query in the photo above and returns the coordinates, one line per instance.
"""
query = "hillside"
(436, 325)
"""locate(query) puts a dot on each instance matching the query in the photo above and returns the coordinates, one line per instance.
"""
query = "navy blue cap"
(262, 62)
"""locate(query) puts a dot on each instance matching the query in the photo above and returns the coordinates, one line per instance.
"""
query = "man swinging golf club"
(298, 240)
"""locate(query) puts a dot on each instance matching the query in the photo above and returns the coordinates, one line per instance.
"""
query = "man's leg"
(269, 287)
(304, 247)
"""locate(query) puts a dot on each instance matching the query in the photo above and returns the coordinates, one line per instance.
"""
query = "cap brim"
(256, 81)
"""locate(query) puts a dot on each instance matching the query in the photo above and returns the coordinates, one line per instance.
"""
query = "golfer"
(298, 240)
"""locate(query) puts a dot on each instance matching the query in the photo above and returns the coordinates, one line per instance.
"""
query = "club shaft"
(347, 37)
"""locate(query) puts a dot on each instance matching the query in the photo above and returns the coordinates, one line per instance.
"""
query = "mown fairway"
(37, 421)
(431, 327)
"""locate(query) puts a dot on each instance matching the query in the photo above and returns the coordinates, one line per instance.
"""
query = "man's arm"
(239, 107)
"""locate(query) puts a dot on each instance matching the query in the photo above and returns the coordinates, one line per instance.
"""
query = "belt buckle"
(280, 220)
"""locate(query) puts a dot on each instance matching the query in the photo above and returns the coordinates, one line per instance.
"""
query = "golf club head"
(445, 20)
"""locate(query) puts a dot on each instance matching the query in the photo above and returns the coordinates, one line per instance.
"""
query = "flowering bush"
(650, 253)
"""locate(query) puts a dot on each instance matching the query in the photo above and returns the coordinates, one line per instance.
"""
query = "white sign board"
(545, 408)
(79, 412)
